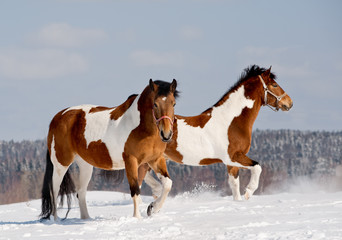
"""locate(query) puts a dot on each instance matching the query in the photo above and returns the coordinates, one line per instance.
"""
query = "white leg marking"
(86, 171)
(154, 185)
(166, 184)
(57, 177)
(136, 201)
(254, 182)
(234, 184)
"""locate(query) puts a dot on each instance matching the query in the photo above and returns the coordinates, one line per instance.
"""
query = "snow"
(195, 215)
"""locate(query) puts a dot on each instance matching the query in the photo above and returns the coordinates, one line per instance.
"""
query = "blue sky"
(55, 54)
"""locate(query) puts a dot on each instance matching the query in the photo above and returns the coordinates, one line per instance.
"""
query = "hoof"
(237, 198)
(248, 194)
(149, 210)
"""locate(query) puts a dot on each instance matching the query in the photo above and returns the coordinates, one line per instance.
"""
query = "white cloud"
(65, 35)
(40, 64)
(151, 58)
(190, 33)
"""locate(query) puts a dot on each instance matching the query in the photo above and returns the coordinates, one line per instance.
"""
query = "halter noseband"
(161, 118)
(266, 90)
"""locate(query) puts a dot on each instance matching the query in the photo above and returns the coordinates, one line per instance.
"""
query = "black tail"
(67, 188)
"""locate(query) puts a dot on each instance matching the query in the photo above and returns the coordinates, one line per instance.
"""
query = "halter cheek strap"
(266, 90)
(161, 118)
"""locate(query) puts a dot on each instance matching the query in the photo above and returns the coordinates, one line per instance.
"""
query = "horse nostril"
(165, 138)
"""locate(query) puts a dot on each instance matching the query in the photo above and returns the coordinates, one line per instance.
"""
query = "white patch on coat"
(164, 99)
(113, 133)
(211, 141)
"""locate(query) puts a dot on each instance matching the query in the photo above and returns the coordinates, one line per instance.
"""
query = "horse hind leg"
(234, 182)
(57, 180)
(86, 171)
(62, 183)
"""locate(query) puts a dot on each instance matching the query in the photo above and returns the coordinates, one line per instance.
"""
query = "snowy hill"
(284, 156)
(196, 215)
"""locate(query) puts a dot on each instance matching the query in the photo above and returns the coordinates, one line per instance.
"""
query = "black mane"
(251, 71)
(164, 88)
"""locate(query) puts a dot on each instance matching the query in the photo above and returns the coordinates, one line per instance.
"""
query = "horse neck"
(241, 106)
(145, 106)
(248, 116)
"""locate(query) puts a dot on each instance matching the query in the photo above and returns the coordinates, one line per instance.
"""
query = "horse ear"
(151, 84)
(173, 86)
(267, 73)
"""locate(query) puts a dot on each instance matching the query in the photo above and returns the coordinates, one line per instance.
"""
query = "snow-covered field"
(197, 215)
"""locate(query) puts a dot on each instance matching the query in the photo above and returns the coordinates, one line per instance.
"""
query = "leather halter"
(266, 90)
(161, 118)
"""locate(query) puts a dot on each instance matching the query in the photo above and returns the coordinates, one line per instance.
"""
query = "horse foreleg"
(131, 165)
(86, 171)
(234, 182)
(255, 169)
(160, 169)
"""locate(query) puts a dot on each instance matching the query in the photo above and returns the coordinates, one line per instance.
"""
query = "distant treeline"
(283, 154)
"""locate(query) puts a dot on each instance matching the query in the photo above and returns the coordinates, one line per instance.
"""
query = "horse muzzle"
(286, 107)
(166, 137)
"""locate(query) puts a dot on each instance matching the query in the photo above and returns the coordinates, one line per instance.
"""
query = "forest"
(286, 157)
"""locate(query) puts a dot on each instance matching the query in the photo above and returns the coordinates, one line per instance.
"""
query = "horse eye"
(174, 104)
(275, 85)
(155, 105)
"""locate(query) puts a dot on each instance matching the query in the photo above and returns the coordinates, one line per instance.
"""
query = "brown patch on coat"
(233, 171)
(99, 109)
(198, 121)
(208, 161)
(59, 131)
(121, 109)
(96, 153)
(240, 135)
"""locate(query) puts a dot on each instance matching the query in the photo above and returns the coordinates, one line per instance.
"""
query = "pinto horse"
(134, 133)
(223, 133)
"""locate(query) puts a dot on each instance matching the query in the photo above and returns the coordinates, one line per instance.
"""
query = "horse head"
(274, 96)
(164, 102)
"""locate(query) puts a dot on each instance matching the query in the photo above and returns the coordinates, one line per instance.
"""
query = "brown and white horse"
(134, 133)
(223, 133)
